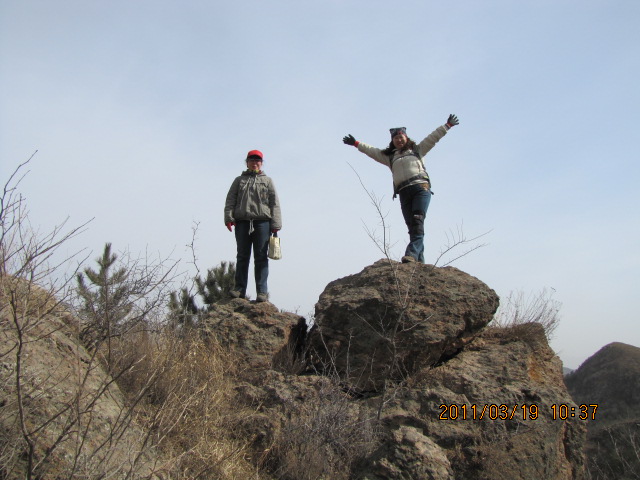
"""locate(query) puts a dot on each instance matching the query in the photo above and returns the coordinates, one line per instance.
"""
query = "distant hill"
(610, 379)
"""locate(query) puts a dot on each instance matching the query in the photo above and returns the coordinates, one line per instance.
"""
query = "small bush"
(518, 311)
(326, 438)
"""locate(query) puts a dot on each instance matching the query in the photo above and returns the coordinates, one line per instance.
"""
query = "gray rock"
(411, 454)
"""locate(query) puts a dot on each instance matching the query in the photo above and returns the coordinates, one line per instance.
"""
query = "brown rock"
(390, 320)
(488, 411)
(258, 332)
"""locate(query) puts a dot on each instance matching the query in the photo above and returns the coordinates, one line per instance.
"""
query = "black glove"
(452, 121)
(349, 140)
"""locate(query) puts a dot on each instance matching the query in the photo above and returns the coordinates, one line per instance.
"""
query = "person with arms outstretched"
(410, 179)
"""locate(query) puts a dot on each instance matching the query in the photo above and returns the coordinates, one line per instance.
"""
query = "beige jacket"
(407, 165)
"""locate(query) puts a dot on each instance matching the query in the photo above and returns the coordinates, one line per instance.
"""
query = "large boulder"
(392, 319)
(491, 411)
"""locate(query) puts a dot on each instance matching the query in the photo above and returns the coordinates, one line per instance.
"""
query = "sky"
(142, 112)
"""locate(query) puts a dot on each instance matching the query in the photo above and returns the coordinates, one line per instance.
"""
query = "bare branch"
(457, 239)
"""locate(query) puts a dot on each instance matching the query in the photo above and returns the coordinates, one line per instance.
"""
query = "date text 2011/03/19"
(508, 412)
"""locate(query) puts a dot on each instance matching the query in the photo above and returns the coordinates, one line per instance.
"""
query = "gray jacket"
(253, 196)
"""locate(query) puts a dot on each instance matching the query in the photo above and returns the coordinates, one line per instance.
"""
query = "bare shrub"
(326, 438)
(614, 452)
(456, 239)
(53, 392)
(519, 310)
(62, 415)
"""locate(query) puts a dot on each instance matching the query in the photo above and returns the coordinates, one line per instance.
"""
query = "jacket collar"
(252, 173)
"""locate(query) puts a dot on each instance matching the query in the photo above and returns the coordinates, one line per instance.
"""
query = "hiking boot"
(262, 297)
(408, 259)
(235, 294)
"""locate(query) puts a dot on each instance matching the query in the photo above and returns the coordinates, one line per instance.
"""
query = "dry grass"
(614, 452)
(187, 388)
(519, 310)
(184, 387)
(181, 406)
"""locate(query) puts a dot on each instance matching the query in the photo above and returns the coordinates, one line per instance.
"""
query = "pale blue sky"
(142, 113)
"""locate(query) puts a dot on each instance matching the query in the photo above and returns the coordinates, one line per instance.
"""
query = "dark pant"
(259, 240)
(414, 201)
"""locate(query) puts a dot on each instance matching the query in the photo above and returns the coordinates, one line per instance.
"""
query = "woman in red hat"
(252, 206)
(410, 179)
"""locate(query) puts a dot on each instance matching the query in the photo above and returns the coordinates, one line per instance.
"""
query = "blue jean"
(414, 201)
(259, 240)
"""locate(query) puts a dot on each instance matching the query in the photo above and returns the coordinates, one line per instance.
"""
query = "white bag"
(274, 247)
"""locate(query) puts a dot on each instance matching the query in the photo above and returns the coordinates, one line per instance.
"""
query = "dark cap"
(398, 131)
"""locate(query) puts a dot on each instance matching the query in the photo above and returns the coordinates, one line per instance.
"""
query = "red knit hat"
(255, 153)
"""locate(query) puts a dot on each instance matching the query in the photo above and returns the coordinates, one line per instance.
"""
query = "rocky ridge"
(450, 398)
(401, 377)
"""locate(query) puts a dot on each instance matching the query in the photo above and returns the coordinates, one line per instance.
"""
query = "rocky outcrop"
(488, 412)
(447, 397)
(402, 377)
(57, 396)
(392, 319)
(258, 333)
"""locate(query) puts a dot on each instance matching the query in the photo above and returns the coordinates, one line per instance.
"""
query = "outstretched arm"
(368, 150)
(434, 137)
